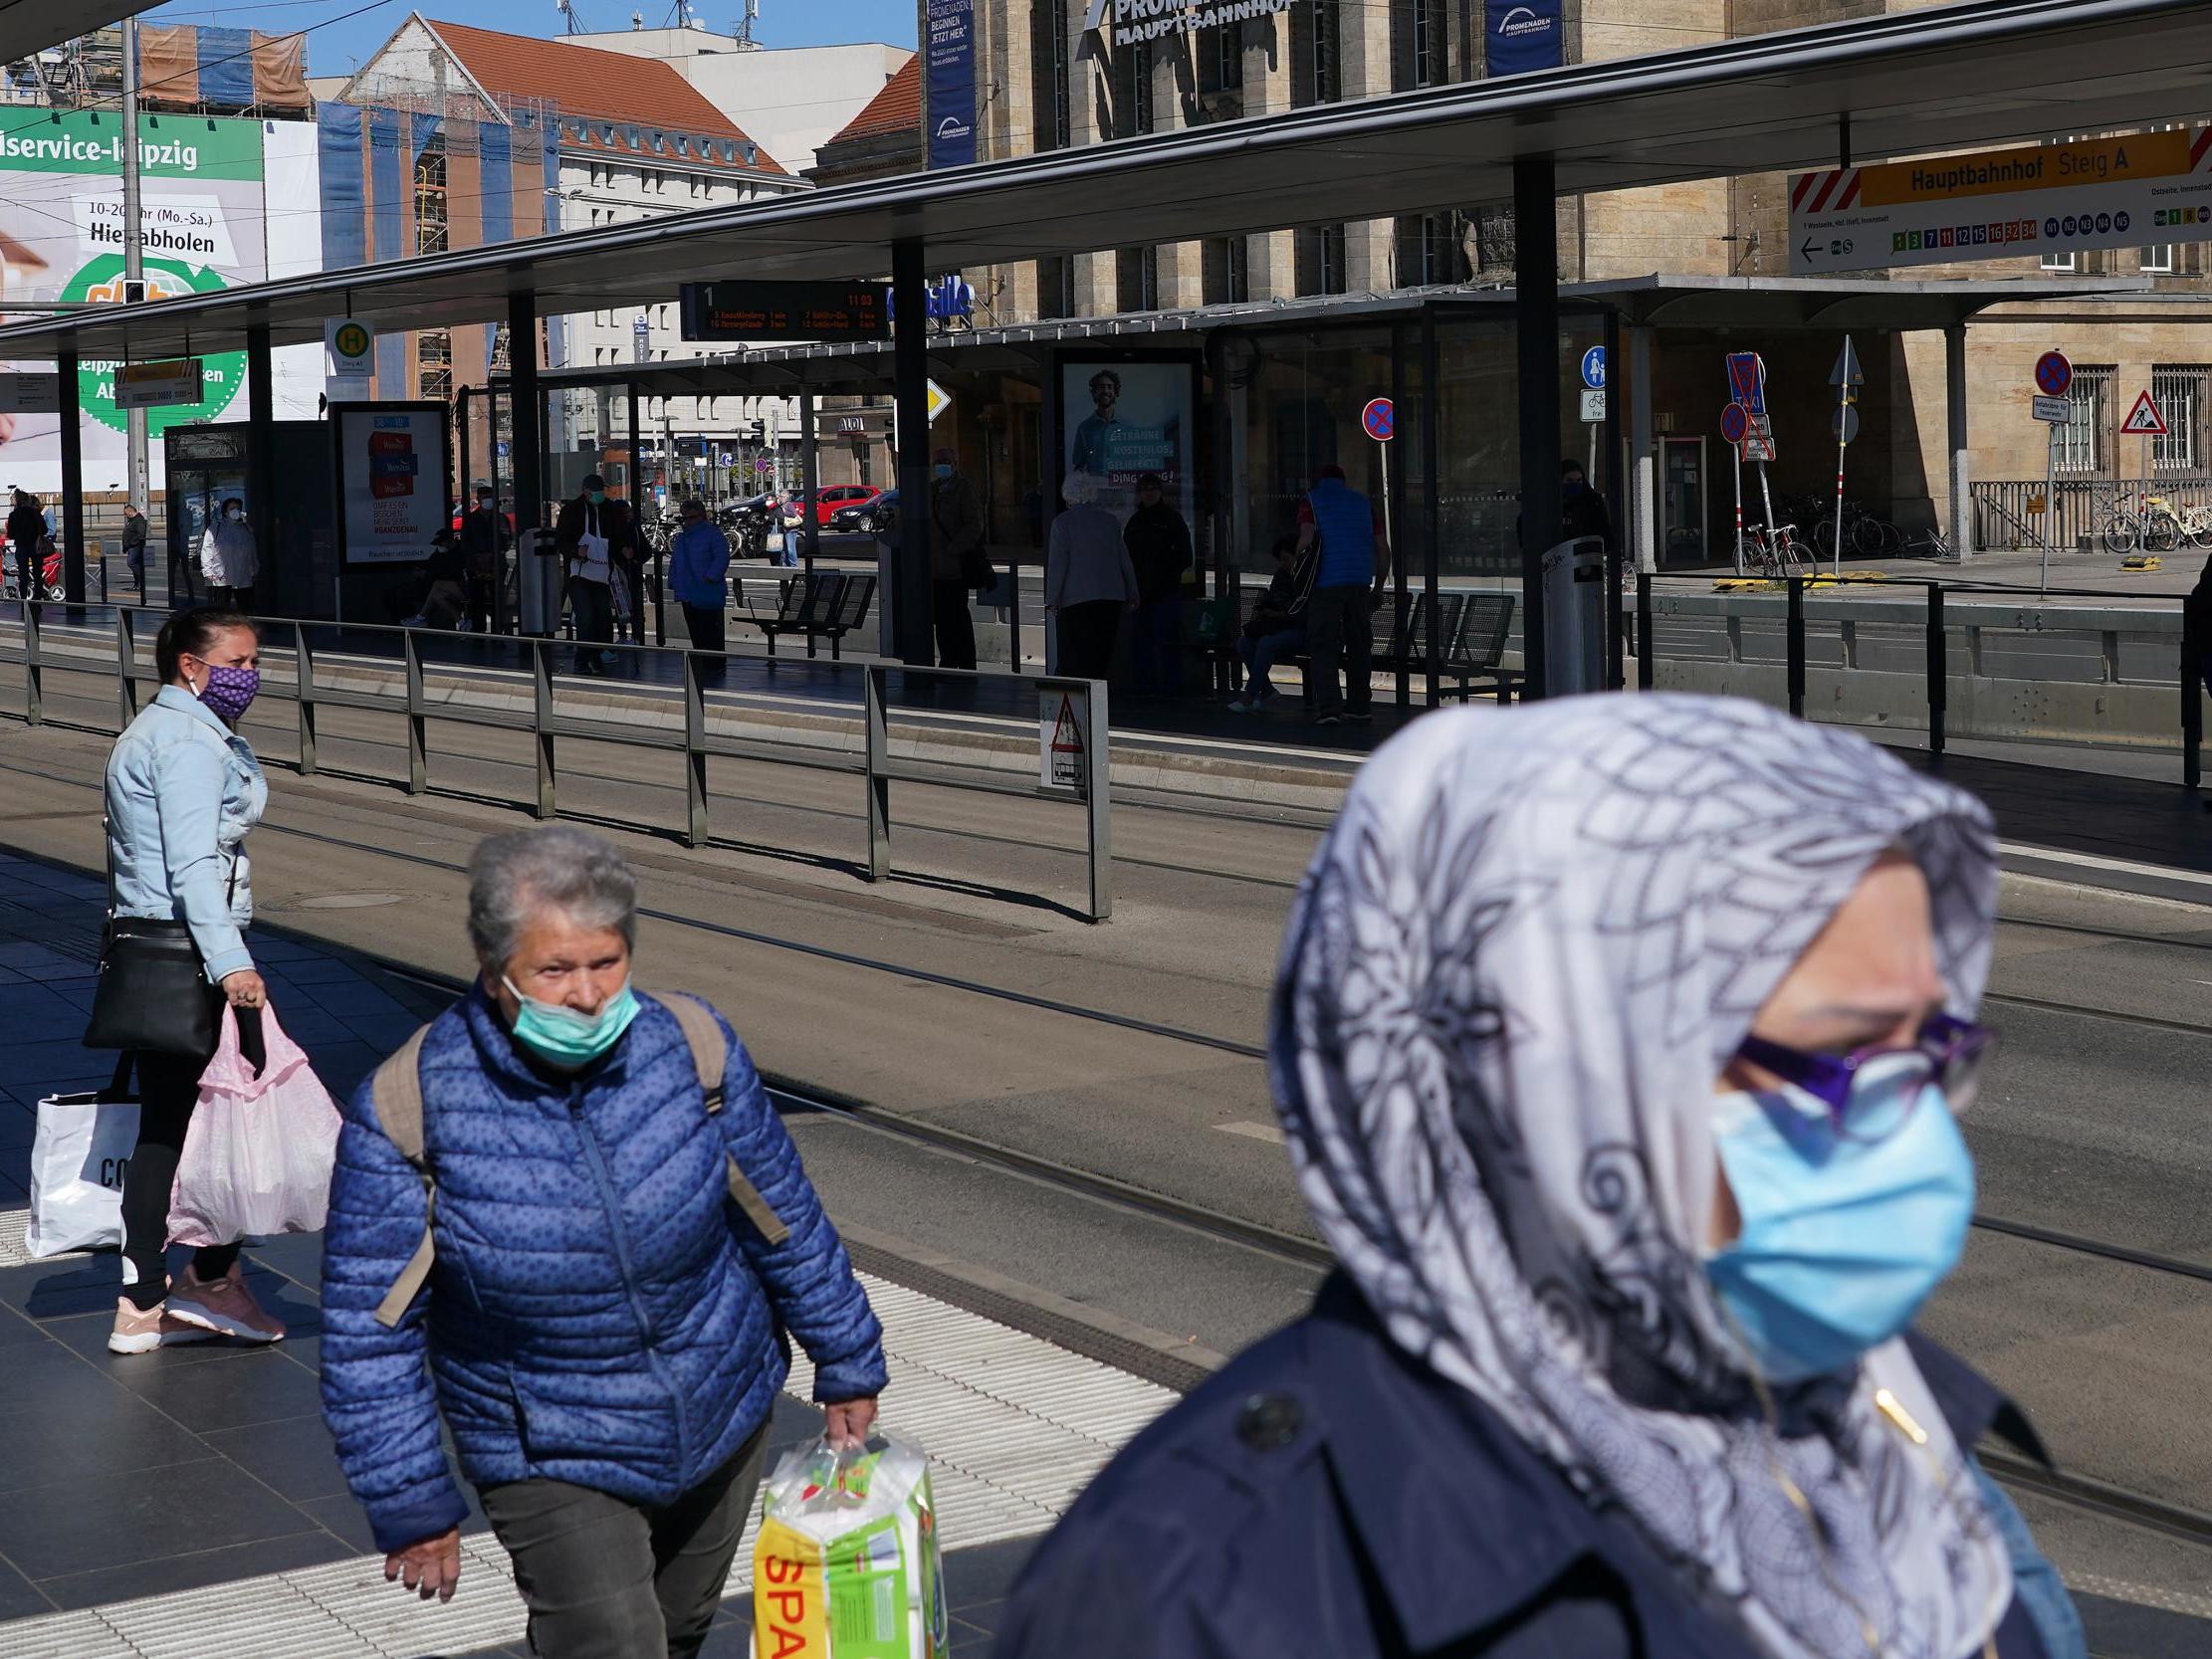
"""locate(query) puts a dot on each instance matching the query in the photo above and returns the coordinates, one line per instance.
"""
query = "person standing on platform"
(484, 538)
(1347, 587)
(1089, 582)
(1159, 545)
(184, 792)
(699, 575)
(1619, 1043)
(229, 558)
(1581, 509)
(26, 530)
(955, 550)
(588, 531)
(134, 545)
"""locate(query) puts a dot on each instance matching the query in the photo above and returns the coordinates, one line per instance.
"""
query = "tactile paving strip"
(1015, 1427)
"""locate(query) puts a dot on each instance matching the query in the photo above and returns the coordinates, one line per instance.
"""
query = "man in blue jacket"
(699, 572)
(617, 1268)
(1348, 585)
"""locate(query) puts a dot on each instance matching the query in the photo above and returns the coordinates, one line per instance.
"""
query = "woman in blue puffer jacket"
(601, 1328)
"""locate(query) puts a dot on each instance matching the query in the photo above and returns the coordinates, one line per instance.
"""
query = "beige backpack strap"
(710, 1053)
(396, 1090)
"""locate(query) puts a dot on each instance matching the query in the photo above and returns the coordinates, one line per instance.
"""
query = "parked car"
(872, 517)
(829, 501)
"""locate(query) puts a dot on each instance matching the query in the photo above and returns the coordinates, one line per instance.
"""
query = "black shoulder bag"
(154, 995)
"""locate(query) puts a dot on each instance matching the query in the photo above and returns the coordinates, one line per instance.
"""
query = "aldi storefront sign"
(1133, 21)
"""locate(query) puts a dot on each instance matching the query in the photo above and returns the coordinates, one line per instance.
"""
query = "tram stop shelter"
(1924, 81)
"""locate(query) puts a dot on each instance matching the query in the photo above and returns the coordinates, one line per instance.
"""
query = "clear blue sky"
(336, 42)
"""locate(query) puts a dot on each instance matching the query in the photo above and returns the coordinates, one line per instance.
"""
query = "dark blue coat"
(1326, 1494)
(598, 1313)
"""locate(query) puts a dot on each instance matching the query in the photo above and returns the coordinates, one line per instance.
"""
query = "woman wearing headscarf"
(1617, 1044)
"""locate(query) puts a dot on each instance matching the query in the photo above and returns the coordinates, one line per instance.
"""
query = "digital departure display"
(757, 310)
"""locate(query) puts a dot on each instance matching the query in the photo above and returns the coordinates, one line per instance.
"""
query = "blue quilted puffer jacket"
(600, 1312)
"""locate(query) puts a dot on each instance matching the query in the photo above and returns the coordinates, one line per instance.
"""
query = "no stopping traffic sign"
(1377, 419)
(2054, 374)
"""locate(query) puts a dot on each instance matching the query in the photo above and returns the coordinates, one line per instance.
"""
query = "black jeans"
(1087, 634)
(606, 1578)
(593, 603)
(183, 580)
(705, 623)
(1340, 624)
(168, 1089)
(480, 604)
(956, 627)
(231, 599)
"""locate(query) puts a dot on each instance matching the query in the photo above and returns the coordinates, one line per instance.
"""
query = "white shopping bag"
(846, 1565)
(593, 558)
(79, 1156)
(256, 1156)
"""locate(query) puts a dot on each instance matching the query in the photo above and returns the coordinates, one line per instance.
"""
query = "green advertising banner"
(169, 147)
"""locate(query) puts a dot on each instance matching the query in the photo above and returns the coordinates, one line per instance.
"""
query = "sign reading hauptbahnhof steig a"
(2141, 190)
(1150, 20)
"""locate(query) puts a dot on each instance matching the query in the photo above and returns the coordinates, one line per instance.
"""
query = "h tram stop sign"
(1379, 419)
(1060, 756)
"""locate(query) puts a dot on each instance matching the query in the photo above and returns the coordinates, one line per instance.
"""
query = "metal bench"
(807, 605)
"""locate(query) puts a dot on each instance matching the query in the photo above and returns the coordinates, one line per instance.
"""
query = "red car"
(830, 500)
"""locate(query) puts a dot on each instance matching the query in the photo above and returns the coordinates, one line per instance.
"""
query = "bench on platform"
(826, 605)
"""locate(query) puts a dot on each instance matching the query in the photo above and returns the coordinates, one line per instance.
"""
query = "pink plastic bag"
(256, 1156)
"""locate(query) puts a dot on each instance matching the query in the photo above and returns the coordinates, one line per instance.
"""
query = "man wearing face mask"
(1581, 509)
(598, 1299)
(1619, 1043)
(230, 559)
(956, 563)
(592, 530)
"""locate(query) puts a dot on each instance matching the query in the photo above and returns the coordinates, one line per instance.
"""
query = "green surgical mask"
(564, 1038)
(596, 495)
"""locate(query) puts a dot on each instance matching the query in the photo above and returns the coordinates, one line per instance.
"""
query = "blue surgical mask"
(942, 469)
(595, 497)
(1842, 1239)
(561, 1037)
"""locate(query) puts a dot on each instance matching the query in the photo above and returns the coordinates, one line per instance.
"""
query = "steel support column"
(1954, 400)
(72, 486)
(526, 415)
(1536, 314)
(909, 566)
(261, 467)
(1642, 452)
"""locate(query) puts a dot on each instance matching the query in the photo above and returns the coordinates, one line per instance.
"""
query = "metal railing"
(1929, 612)
(311, 690)
(2077, 509)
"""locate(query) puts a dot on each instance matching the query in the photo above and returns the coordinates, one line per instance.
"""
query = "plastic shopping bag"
(79, 1156)
(257, 1157)
(846, 1565)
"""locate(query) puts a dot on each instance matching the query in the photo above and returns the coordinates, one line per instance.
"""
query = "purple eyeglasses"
(1950, 1052)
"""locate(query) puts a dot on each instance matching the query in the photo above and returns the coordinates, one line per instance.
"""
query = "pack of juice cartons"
(847, 1564)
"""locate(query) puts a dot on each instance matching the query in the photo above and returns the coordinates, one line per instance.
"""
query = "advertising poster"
(950, 63)
(204, 216)
(391, 481)
(1123, 418)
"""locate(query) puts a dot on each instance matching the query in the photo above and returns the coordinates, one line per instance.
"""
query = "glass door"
(1682, 503)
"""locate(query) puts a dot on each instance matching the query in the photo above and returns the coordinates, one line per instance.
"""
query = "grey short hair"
(513, 874)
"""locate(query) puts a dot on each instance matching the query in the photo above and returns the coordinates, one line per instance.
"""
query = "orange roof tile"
(588, 84)
(893, 110)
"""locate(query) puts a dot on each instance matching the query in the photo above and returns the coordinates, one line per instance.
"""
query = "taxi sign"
(1747, 381)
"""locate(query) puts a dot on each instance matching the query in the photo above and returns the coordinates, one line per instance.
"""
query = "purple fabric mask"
(230, 691)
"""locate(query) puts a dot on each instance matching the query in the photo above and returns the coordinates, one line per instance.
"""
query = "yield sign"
(2144, 421)
(1847, 371)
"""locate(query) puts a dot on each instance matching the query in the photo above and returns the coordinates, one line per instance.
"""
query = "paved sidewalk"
(187, 1501)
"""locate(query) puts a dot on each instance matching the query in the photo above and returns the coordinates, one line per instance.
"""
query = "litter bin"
(537, 577)
(1574, 617)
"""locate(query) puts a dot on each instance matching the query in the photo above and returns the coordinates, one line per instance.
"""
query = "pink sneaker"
(224, 1306)
(142, 1329)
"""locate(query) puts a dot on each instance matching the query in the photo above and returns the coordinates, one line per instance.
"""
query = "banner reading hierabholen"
(950, 57)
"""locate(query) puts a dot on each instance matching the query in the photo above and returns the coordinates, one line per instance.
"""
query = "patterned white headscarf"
(1527, 948)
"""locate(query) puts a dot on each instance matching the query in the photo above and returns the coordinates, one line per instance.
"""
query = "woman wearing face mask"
(183, 791)
(229, 560)
(1617, 1043)
(616, 1256)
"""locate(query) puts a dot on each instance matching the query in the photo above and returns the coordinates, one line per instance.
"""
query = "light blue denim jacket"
(184, 791)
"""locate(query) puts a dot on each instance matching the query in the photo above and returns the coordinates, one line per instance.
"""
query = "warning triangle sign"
(2144, 421)
(1066, 740)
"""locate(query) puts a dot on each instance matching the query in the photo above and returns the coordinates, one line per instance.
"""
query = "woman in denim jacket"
(184, 791)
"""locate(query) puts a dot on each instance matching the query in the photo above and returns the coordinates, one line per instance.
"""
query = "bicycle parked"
(2146, 524)
(1783, 556)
